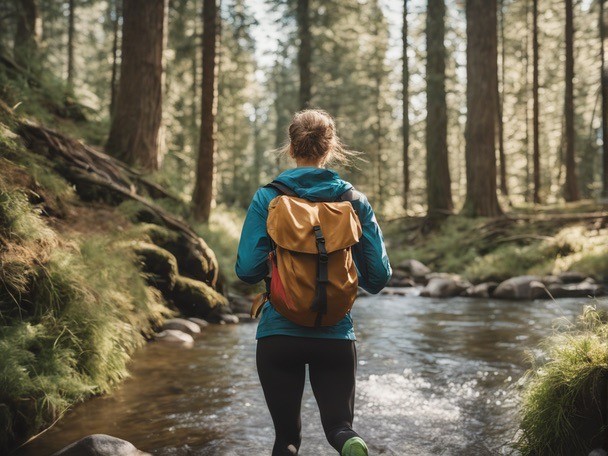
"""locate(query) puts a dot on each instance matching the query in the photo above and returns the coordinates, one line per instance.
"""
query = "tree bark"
(499, 98)
(304, 53)
(535, 105)
(438, 183)
(406, 118)
(604, 78)
(571, 190)
(202, 197)
(115, 14)
(138, 110)
(480, 152)
(26, 34)
(70, 76)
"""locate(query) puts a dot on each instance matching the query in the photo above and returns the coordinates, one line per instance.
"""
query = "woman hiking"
(318, 239)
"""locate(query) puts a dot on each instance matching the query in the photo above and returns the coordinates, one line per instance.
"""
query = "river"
(435, 376)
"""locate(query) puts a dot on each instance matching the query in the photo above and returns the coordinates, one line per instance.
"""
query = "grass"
(72, 311)
(564, 396)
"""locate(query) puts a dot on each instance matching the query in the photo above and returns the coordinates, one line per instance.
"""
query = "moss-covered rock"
(159, 265)
(194, 298)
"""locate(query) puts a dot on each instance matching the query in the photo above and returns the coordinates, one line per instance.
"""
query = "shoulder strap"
(349, 195)
(281, 188)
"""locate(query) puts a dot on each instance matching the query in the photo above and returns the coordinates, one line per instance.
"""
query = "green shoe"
(355, 446)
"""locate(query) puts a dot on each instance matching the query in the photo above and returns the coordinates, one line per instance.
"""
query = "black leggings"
(281, 362)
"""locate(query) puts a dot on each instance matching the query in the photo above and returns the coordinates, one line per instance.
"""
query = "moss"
(565, 396)
(158, 264)
(196, 299)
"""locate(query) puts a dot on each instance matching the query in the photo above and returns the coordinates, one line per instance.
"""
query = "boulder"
(174, 336)
(571, 276)
(244, 317)
(239, 304)
(100, 445)
(482, 290)
(443, 288)
(401, 279)
(577, 290)
(194, 298)
(183, 325)
(227, 319)
(158, 264)
(516, 287)
(199, 321)
(414, 268)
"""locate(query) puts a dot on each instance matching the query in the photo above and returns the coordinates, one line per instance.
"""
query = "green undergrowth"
(565, 391)
(72, 311)
(488, 250)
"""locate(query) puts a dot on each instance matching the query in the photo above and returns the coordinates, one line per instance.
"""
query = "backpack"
(313, 278)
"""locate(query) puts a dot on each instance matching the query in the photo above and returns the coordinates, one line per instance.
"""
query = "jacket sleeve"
(254, 245)
(370, 254)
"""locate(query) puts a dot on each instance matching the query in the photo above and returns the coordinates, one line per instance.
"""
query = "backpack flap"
(291, 223)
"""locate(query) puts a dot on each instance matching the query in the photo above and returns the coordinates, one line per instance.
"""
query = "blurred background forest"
(275, 57)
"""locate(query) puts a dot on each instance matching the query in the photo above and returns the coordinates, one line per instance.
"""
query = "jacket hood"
(315, 184)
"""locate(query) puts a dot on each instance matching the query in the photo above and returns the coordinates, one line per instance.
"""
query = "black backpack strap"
(281, 188)
(349, 195)
(319, 303)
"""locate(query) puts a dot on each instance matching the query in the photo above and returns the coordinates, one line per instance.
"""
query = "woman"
(284, 348)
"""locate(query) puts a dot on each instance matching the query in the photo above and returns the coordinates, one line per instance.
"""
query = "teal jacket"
(371, 260)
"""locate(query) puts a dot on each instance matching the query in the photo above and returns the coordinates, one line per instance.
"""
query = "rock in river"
(482, 290)
(100, 445)
(439, 287)
(516, 288)
(414, 268)
(174, 336)
(199, 321)
(181, 324)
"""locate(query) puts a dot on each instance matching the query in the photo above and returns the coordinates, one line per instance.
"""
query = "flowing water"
(435, 377)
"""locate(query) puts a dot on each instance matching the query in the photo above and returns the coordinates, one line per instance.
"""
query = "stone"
(183, 325)
(395, 291)
(598, 452)
(174, 336)
(100, 445)
(199, 321)
(239, 304)
(194, 298)
(577, 290)
(159, 265)
(482, 290)
(414, 268)
(571, 276)
(443, 288)
(244, 318)
(401, 279)
(228, 319)
(516, 287)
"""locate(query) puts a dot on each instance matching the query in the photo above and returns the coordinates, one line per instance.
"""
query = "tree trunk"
(480, 152)
(527, 110)
(406, 117)
(499, 98)
(115, 14)
(26, 34)
(604, 78)
(438, 184)
(535, 105)
(571, 191)
(70, 76)
(138, 110)
(304, 53)
(202, 197)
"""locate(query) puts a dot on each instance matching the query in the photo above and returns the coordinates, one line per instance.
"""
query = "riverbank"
(91, 264)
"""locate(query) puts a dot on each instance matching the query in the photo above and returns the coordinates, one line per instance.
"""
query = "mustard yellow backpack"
(313, 278)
